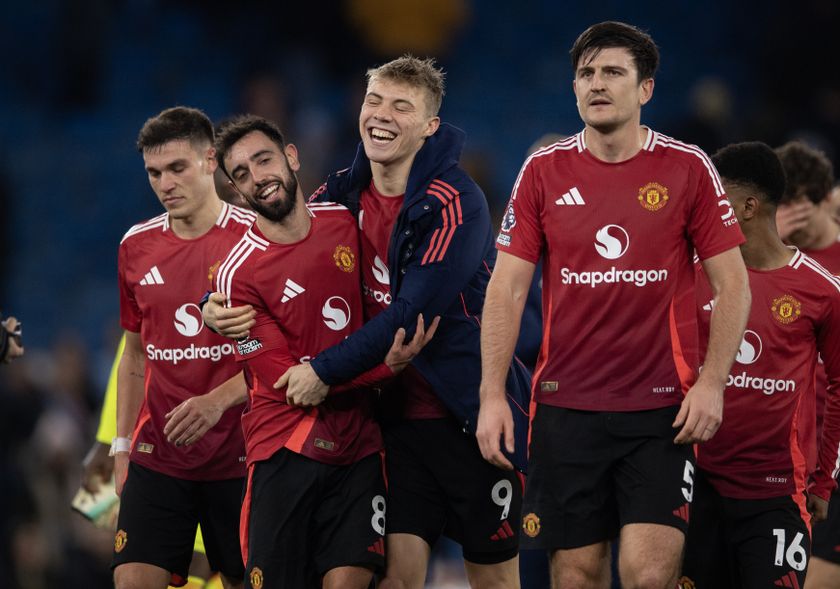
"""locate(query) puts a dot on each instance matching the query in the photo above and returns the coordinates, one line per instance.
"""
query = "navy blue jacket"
(440, 257)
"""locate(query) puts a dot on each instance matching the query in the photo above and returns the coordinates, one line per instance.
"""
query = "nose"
(598, 80)
(167, 182)
(259, 175)
(382, 112)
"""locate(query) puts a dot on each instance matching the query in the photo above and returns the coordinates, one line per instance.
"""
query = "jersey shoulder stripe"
(818, 270)
(154, 223)
(249, 243)
(238, 215)
(569, 144)
(671, 143)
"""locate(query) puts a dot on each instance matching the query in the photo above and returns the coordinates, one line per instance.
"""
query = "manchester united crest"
(786, 309)
(256, 578)
(344, 258)
(531, 525)
(120, 540)
(653, 196)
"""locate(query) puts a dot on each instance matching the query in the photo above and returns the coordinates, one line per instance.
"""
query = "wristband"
(120, 445)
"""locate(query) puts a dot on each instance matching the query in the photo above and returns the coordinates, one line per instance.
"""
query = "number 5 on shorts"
(688, 477)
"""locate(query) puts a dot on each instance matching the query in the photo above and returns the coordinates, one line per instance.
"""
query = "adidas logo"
(789, 580)
(572, 197)
(152, 277)
(378, 547)
(291, 290)
(682, 512)
(709, 306)
(503, 533)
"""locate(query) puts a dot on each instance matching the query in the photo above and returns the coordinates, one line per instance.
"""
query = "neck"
(617, 145)
(819, 234)
(391, 179)
(293, 228)
(199, 222)
(764, 249)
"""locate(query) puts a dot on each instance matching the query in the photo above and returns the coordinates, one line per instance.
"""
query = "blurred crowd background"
(81, 76)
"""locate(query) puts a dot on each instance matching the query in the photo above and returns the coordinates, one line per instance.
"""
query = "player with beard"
(750, 526)
(314, 507)
(426, 249)
(618, 368)
(169, 362)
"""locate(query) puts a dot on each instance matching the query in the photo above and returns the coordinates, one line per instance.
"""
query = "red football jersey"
(307, 297)
(408, 396)
(811, 411)
(617, 240)
(161, 277)
(795, 315)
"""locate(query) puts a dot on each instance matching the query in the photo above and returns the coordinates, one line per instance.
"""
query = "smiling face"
(264, 173)
(181, 176)
(394, 121)
(609, 93)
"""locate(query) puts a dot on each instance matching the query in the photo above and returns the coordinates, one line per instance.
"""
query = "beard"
(283, 205)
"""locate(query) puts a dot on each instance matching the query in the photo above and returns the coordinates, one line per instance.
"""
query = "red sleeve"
(712, 225)
(374, 376)
(522, 232)
(130, 316)
(828, 345)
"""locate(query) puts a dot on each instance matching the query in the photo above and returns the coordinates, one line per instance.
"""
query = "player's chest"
(314, 290)
(615, 212)
(165, 276)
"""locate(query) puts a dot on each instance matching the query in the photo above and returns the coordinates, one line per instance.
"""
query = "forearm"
(130, 387)
(230, 393)
(370, 378)
(729, 318)
(500, 323)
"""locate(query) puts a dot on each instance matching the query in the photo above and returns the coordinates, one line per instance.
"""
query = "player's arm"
(400, 355)
(232, 322)
(507, 293)
(190, 420)
(130, 390)
(702, 409)
(440, 269)
(828, 345)
(98, 465)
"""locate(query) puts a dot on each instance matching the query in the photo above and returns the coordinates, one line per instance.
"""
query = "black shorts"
(438, 483)
(745, 543)
(826, 542)
(158, 519)
(302, 518)
(590, 473)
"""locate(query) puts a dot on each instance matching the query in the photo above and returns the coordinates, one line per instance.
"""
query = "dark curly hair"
(618, 34)
(753, 164)
(808, 170)
(235, 129)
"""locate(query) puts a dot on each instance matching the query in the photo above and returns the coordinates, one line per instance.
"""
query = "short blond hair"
(420, 73)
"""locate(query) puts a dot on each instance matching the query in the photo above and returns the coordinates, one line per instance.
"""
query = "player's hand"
(817, 507)
(495, 423)
(791, 217)
(120, 470)
(15, 349)
(97, 467)
(303, 386)
(401, 354)
(189, 421)
(231, 322)
(700, 414)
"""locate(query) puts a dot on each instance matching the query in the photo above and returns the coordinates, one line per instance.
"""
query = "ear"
(752, 207)
(292, 156)
(432, 126)
(210, 158)
(646, 91)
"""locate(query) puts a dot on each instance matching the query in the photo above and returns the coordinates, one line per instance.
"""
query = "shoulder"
(146, 229)
(686, 154)
(819, 279)
(236, 218)
(568, 149)
(245, 253)
(329, 210)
